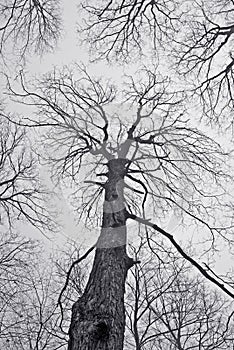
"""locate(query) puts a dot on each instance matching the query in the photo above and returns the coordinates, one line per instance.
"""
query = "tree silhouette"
(150, 159)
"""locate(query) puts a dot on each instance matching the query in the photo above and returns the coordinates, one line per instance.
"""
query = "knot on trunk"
(99, 330)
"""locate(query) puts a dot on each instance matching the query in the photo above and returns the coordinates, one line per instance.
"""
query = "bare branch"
(182, 252)
(203, 54)
(21, 193)
(119, 29)
(29, 25)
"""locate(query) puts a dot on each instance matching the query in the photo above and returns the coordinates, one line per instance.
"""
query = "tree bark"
(98, 317)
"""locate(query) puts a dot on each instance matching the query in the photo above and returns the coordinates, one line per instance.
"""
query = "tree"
(168, 309)
(153, 159)
(155, 275)
(29, 314)
(22, 196)
(29, 25)
(14, 254)
(30, 285)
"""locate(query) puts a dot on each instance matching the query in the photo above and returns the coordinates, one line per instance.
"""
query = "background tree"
(153, 157)
(167, 308)
(29, 314)
(30, 285)
(21, 193)
(29, 25)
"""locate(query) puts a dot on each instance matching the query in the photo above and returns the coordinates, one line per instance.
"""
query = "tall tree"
(150, 158)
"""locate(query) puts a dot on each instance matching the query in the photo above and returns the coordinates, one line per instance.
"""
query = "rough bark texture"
(98, 319)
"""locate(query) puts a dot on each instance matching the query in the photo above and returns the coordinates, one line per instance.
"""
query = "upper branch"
(120, 28)
(29, 24)
(74, 107)
(204, 53)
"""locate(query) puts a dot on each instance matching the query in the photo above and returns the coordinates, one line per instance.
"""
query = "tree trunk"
(98, 317)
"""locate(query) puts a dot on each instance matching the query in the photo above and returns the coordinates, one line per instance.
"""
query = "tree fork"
(98, 317)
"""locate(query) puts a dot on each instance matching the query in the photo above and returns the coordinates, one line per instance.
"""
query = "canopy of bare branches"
(195, 38)
(149, 145)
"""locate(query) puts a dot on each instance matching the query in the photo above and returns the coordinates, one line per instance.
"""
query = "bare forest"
(116, 175)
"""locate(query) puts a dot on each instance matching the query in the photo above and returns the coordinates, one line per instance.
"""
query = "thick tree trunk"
(98, 318)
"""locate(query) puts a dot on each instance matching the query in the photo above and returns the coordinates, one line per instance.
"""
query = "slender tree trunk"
(98, 317)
